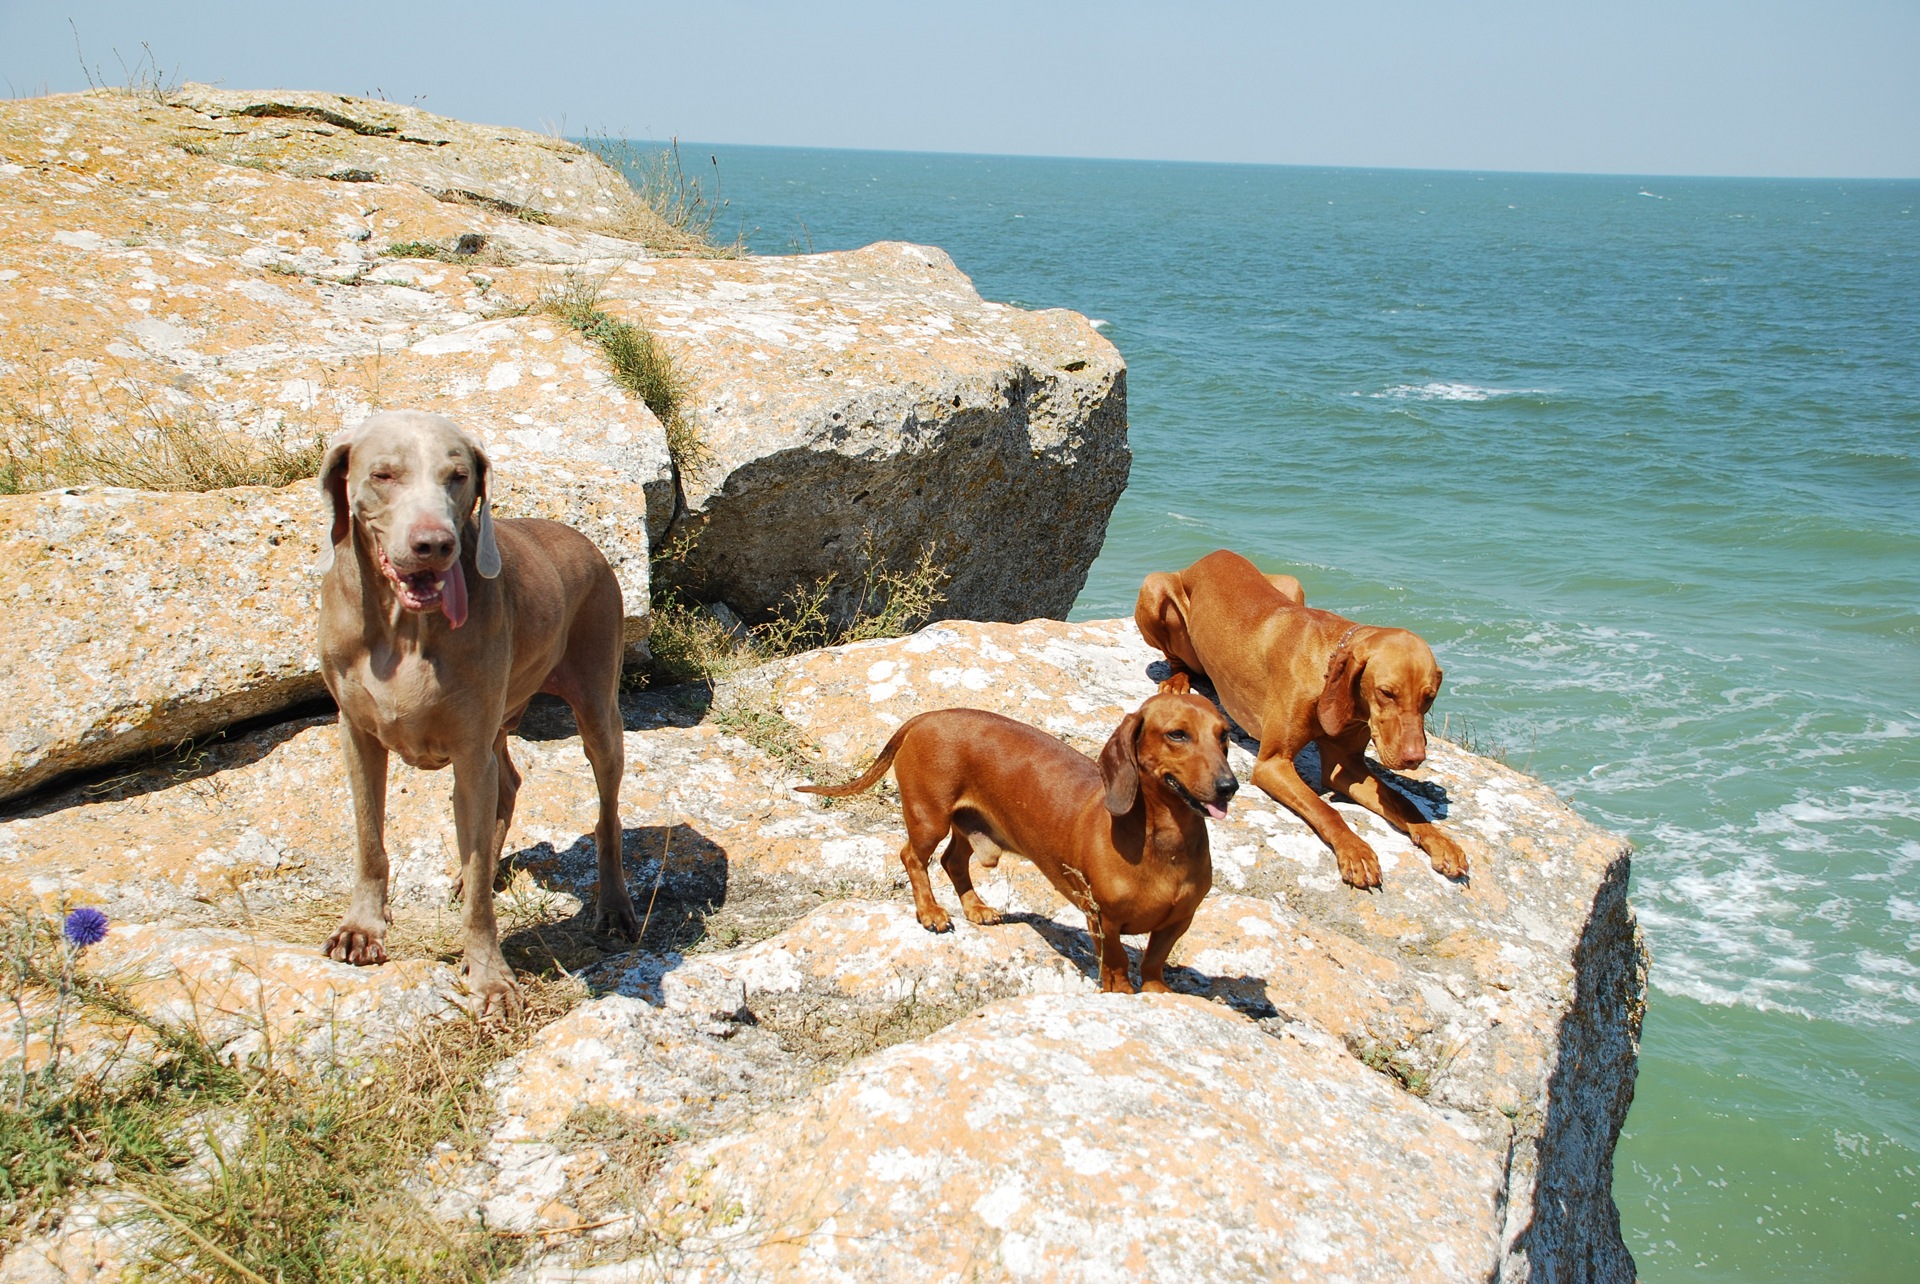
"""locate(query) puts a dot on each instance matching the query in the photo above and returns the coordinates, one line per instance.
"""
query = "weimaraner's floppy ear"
(486, 552)
(1342, 692)
(1119, 767)
(333, 480)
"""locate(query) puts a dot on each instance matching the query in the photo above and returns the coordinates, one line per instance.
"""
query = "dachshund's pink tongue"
(1215, 811)
(453, 596)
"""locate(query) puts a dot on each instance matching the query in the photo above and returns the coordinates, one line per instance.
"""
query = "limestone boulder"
(362, 140)
(1083, 1137)
(857, 410)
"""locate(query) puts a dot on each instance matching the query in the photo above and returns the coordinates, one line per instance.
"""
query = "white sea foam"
(1770, 844)
(1438, 391)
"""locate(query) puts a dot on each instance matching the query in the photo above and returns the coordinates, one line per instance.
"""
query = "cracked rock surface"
(792, 1080)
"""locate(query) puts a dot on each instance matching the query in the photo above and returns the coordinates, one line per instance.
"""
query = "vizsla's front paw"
(1155, 987)
(491, 981)
(935, 919)
(1115, 982)
(614, 915)
(982, 913)
(1359, 867)
(1449, 857)
(1177, 684)
(357, 943)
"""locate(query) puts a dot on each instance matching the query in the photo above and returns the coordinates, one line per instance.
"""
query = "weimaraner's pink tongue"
(453, 596)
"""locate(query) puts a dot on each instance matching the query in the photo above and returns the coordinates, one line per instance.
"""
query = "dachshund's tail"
(871, 774)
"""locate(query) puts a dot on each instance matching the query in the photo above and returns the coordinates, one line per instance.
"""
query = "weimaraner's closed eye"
(437, 626)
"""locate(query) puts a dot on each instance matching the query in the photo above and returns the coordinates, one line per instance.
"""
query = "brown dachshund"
(437, 626)
(1124, 840)
(1289, 674)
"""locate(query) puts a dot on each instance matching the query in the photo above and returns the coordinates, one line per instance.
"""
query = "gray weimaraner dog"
(437, 626)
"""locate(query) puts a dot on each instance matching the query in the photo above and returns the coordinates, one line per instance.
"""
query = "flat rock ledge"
(1425, 1082)
(261, 270)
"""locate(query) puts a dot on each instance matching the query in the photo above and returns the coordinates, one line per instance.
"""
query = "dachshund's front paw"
(981, 913)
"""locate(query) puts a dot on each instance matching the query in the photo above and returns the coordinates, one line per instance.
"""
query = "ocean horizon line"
(588, 140)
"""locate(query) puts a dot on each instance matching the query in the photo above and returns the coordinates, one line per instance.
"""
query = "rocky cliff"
(196, 290)
(788, 1078)
(1425, 1082)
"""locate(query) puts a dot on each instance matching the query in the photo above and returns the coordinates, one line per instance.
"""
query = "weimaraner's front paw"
(614, 915)
(491, 981)
(355, 942)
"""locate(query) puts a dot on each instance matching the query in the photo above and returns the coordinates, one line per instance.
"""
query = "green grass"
(641, 364)
(1392, 1063)
(420, 250)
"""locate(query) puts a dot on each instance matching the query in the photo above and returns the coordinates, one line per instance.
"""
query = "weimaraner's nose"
(430, 543)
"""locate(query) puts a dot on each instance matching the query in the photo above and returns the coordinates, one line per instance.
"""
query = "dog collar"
(1337, 649)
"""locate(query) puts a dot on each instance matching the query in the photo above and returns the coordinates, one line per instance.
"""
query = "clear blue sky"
(1761, 87)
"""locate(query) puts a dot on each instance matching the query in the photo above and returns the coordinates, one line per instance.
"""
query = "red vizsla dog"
(1124, 840)
(437, 626)
(1290, 674)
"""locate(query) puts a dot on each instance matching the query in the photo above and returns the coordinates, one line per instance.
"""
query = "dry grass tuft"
(831, 1031)
(164, 449)
(686, 205)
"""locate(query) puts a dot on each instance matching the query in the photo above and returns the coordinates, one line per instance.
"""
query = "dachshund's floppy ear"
(1341, 695)
(1120, 768)
(486, 551)
(333, 481)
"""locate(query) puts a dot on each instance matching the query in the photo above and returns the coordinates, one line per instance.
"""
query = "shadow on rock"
(677, 877)
(1246, 995)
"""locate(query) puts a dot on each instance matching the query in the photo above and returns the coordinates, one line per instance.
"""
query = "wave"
(1437, 391)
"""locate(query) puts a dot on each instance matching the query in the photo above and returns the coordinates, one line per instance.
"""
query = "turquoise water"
(1642, 460)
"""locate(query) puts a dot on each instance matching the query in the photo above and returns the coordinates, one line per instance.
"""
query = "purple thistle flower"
(85, 926)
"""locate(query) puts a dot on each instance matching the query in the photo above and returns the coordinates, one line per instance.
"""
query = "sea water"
(1641, 459)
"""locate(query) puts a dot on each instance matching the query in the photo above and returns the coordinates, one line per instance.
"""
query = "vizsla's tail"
(871, 774)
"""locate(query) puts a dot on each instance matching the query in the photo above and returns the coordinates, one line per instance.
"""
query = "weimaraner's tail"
(871, 774)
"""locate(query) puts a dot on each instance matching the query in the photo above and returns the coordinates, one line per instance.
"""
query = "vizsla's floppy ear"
(1120, 768)
(333, 480)
(1342, 692)
(486, 552)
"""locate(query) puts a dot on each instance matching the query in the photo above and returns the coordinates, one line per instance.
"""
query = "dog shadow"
(677, 878)
(1246, 995)
(548, 718)
(1428, 796)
